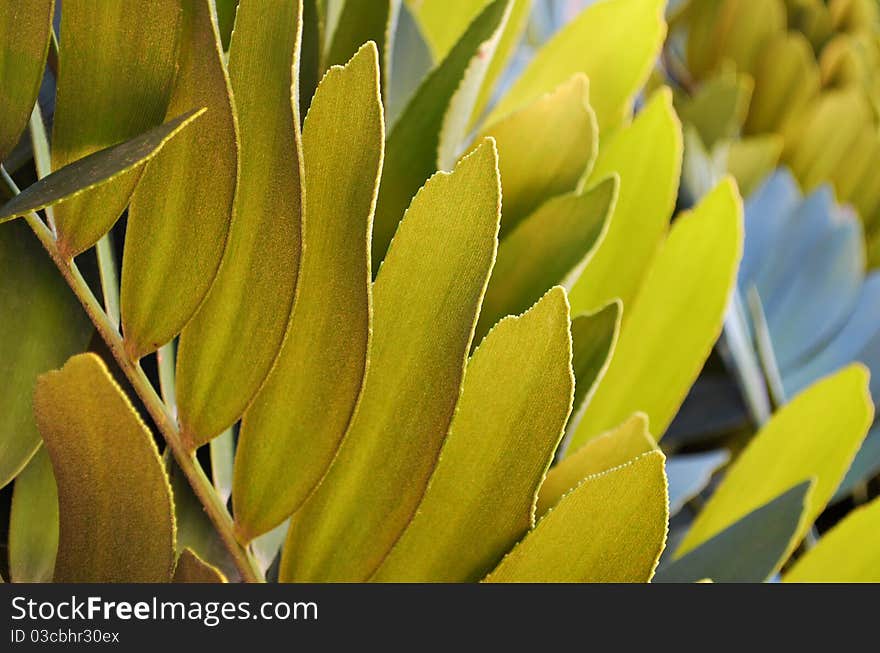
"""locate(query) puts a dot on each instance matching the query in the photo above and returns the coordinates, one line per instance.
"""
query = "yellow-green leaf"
(42, 325)
(118, 62)
(33, 523)
(183, 202)
(94, 171)
(610, 528)
(816, 435)
(675, 319)
(361, 21)
(546, 249)
(226, 19)
(192, 569)
(848, 553)
(25, 29)
(425, 304)
(252, 296)
(718, 108)
(609, 450)
(291, 432)
(444, 21)
(594, 336)
(648, 189)
(515, 399)
(544, 149)
(591, 44)
(412, 147)
(751, 160)
(115, 506)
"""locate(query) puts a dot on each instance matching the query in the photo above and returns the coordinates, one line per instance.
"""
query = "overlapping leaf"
(192, 569)
(115, 505)
(425, 304)
(515, 399)
(254, 290)
(33, 523)
(293, 429)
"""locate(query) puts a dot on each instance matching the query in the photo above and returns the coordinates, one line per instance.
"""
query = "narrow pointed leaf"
(848, 553)
(545, 249)
(750, 550)
(648, 189)
(816, 435)
(411, 60)
(689, 474)
(114, 82)
(611, 528)
(25, 30)
(668, 335)
(594, 336)
(444, 249)
(33, 523)
(184, 200)
(91, 172)
(612, 449)
(115, 505)
(544, 149)
(192, 569)
(515, 399)
(253, 293)
(591, 44)
(412, 146)
(291, 432)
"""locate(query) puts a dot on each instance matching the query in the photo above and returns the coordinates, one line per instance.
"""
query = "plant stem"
(187, 461)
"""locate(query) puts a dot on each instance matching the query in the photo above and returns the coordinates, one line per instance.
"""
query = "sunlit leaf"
(516, 397)
(115, 505)
(192, 181)
(254, 290)
(25, 29)
(749, 550)
(546, 249)
(33, 523)
(291, 432)
(544, 149)
(845, 554)
(610, 528)
(425, 304)
(648, 189)
(816, 435)
(612, 449)
(119, 62)
(591, 44)
(674, 321)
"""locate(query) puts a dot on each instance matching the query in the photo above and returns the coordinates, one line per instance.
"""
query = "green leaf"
(610, 528)
(410, 61)
(816, 435)
(752, 160)
(425, 305)
(115, 80)
(226, 20)
(94, 171)
(444, 21)
(591, 44)
(115, 505)
(33, 523)
(312, 39)
(718, 108)
(675, 319)
(546, 249)
(648, 190)
(544, 149)
(361, 21)
(293, 429)
(750, 550)
(42, 325)
(192, 569)
(253, 293)
(192, 181)
(25, 30)
(515, 399)
(845, 554)
(412, 146)
(611, 449)
(594, 337)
